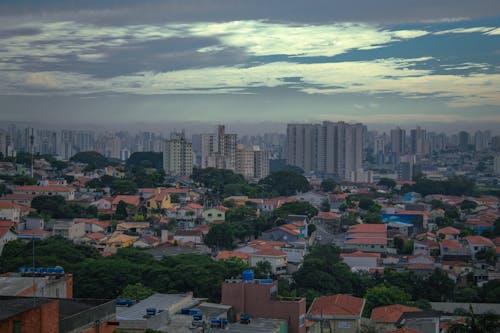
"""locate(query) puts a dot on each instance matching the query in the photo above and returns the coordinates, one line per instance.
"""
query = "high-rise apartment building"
(218, 150)
(398, 141)
(418, 141)
(463, 140)
(178, 156)
(252, 163)
(328, 148)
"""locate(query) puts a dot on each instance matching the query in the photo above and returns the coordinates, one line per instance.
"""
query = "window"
(17, 326)
(344, 324)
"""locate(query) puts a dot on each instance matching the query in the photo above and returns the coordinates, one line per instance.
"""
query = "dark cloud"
(119, 12)
(19, 32)
(161, 55)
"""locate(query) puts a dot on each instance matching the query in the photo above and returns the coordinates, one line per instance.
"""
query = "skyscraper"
(252, 163)
(398, 141)
(218, 150)
(329, 148)
(177, 156)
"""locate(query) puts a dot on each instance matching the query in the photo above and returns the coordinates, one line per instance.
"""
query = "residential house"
(451, 249)
(367, 238)
(103, 204)
(421, 321)
(33, 234)
(6, 235)
(478, 225)
(160, 199)
(194, 237)
(217, 213)
(448, 233)
(132, 228)
(336, 313)
(132, 200)
(93, 225)
(225, 255)
(479, 243)
(386, 317)
(68, 229)
(10, 211)
(68, 193)
(361, 261)
(119, 240)
(291, 232)
(277, 259)
(147, 241)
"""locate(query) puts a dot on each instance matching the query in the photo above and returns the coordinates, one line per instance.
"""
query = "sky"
(250, 61)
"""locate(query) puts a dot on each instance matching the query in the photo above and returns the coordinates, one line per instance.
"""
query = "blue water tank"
(198, 317)
(266, 281)
(151, 311)
(22, 269)
(185, 311)
(194, 312)
(248, 275)
(51, 270)
(58, 270)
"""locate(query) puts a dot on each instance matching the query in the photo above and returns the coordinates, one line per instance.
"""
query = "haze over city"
(159, 62)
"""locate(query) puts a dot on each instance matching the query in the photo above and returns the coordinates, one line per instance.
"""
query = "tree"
(383, 295)
(123, 186)
(325, 206)
(221, 236)
(55, 206)
(121, 210)
(285, 183)
(468, 205)
(137, 292)
(294, 208)
(387, 182)
(90, 158)
(263, 269)
(328, 185)
(146, 159)
(365, 203)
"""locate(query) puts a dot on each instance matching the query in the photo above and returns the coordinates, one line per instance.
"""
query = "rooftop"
(337, 305)
(391, 313)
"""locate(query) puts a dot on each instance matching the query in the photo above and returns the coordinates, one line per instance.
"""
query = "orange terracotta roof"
(128, 199)
(368, 228)
(391, 313)
(359, 254)
(337, 305)
(450, 243)
(95, 235)
(7, 224)
(194, 205)
(479, 240)
(46, 188)
(421, 255)
(328, 215)
(33, 232)
(8, 205)
(223, 255)
(221, 208)
(269, 252)
(421, 266)
(448, 231)
(367, 241)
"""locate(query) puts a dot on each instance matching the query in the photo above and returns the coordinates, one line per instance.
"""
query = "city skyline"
(110, 63)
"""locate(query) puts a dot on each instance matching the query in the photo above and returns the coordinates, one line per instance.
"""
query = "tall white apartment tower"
(178, 156)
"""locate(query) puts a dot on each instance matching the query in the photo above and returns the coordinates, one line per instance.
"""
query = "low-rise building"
(336, 313)
(68, 229)
(361, 261)
(277, 259)
(68, 193)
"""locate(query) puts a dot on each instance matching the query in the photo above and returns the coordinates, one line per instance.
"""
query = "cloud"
(261, 38)
(483, 30)
(42, 80)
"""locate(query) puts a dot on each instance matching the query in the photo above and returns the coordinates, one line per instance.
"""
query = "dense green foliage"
(56, 207)
(387, 182)
(328, 185)
(18, 180)
(285, 183)
(145, 160)
(454, 186)
(92, 158)
(294, 208)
